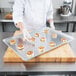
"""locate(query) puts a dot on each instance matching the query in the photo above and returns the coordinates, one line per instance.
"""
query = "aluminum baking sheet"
(44, 40)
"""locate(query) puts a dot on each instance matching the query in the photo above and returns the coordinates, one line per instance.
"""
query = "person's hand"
(26, 34)
(51, 22)
(24, 31)
(52, 26)
(20, 25)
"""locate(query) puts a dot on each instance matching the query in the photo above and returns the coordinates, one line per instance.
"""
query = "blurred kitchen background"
(64, 15)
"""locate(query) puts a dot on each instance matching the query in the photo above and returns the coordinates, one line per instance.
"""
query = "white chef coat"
(33, 13)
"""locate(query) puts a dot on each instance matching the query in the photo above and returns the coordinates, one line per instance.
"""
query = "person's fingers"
(17, 26)
(21, 27)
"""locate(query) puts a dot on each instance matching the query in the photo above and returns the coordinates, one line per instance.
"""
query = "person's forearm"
(18, 9)
(51, 22)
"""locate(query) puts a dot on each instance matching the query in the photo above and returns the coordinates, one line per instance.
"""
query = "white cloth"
(33, 13)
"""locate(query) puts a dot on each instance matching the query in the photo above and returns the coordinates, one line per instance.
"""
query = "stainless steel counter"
(57, 18)
(35, 68)
(60, 19)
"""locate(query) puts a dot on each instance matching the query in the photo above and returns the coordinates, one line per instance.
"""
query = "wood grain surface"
(61, 54)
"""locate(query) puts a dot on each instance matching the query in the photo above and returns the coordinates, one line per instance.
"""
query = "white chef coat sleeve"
(50, 11)
(50, 15)
(18, 11)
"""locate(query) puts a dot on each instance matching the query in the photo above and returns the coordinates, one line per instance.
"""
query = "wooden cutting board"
(63, 53)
